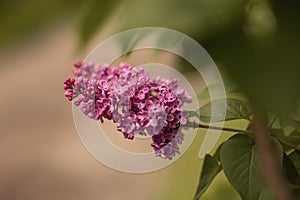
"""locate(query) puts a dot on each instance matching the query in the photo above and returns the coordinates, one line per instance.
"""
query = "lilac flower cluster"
(132, 100)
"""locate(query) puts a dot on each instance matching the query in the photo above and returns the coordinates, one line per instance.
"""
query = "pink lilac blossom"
(132, 100)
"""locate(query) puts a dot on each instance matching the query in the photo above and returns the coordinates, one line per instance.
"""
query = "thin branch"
(285, 143)
(198, 125)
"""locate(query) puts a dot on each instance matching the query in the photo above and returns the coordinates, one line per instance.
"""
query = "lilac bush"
(137, 104)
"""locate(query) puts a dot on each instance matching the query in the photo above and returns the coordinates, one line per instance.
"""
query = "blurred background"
(255, 43)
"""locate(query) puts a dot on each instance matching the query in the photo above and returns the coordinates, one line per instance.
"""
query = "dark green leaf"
(209, 171)
(290, 170)
(242, 168)
(297, 193)
(235, 109)
(217, 153)
(295, 158)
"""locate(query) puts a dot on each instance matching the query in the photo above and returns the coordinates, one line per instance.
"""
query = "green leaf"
(293, 138)
(295, 158)
(297, 193)
(218, 152)
(128, 42)
(242, 167)
(273, 121)
(288, 125)
(288, 130)
(235, 109)
(285, 129)
(209, 171)
(205, 93)
(290, 170)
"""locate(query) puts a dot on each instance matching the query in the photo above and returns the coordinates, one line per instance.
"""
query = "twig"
(285, 143)
(198, 125)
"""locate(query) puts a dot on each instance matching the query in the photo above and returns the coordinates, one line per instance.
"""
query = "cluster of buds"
(137, 104)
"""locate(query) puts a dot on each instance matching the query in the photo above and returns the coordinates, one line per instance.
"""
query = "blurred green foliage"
(94, 14)
(265, 63)
(256, 41)
(21, 19)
